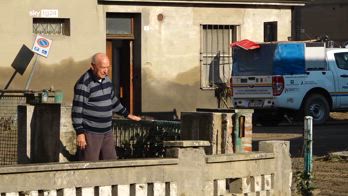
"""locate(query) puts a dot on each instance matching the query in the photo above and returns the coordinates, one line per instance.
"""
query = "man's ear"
(92, 66)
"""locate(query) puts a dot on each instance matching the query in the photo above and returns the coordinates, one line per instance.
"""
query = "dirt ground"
(330, 173)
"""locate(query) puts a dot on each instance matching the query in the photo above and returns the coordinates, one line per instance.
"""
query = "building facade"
(165, 54)
(322, 18)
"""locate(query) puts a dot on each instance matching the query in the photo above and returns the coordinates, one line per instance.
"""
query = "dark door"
(121, 71)
(123, 49)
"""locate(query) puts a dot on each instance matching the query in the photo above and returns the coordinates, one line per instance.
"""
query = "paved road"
(331, 137)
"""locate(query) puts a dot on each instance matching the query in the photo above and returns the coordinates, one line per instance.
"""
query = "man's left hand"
(133, 117)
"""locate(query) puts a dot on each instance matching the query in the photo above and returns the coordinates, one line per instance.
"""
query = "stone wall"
(228, 132)
(186, 170)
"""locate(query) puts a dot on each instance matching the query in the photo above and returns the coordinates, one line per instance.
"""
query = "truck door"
(339, 62)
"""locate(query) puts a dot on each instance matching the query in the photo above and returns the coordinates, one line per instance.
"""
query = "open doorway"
(123, 48)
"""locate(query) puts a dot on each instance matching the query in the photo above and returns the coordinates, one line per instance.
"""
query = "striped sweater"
(93, 104)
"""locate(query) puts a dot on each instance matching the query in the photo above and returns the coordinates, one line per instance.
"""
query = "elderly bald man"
(93, 105)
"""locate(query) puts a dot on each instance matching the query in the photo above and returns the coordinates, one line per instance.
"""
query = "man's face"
(101, 68)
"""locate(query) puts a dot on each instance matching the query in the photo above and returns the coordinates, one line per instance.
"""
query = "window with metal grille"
(216, 54)
(51, 26)
(270, 33)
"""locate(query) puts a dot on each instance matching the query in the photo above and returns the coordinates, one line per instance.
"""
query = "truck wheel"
(317, 107)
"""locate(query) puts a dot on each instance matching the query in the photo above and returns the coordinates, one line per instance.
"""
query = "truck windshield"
(253, 62)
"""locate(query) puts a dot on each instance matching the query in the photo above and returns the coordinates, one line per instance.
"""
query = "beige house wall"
(87, 29)
(69, 55)
(170, 53)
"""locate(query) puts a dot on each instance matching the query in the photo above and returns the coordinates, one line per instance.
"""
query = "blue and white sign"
(42, 45)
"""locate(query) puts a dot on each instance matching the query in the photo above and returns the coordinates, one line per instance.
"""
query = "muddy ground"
(330, 173)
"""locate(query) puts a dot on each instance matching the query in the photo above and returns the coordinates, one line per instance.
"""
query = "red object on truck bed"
(246, 44)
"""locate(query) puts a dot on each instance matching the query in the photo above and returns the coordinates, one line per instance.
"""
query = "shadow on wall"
(183, 92)
(44, 143)
(61, 76)
(158, 93)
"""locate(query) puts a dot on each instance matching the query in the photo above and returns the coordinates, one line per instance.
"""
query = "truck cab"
(290, 78)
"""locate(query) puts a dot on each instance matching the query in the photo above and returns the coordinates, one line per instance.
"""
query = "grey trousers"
(100, 146)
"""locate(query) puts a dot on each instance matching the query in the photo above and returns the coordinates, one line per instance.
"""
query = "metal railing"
(144, 138)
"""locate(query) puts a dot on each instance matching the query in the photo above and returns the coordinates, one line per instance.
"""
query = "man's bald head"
(97, 57)
(100, 65)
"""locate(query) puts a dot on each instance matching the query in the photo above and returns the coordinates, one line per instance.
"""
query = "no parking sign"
(42, 45)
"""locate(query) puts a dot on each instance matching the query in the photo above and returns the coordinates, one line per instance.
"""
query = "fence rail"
(144, 138)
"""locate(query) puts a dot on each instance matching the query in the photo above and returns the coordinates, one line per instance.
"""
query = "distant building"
(321, 18)
(162, 51)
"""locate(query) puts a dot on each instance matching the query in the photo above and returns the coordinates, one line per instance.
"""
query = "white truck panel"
(315, 58)
(297, 86)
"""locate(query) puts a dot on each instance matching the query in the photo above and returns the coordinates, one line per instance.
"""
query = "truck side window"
(342, 60)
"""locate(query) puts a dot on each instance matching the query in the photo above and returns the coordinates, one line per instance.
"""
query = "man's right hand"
(81, 141)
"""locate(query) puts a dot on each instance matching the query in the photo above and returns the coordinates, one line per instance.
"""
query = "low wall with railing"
(186, 170)
(45, 134)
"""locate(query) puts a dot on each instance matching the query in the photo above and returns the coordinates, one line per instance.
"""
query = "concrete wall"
(45, 134)
(170, 49)
(18, 120)
(185, 171)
